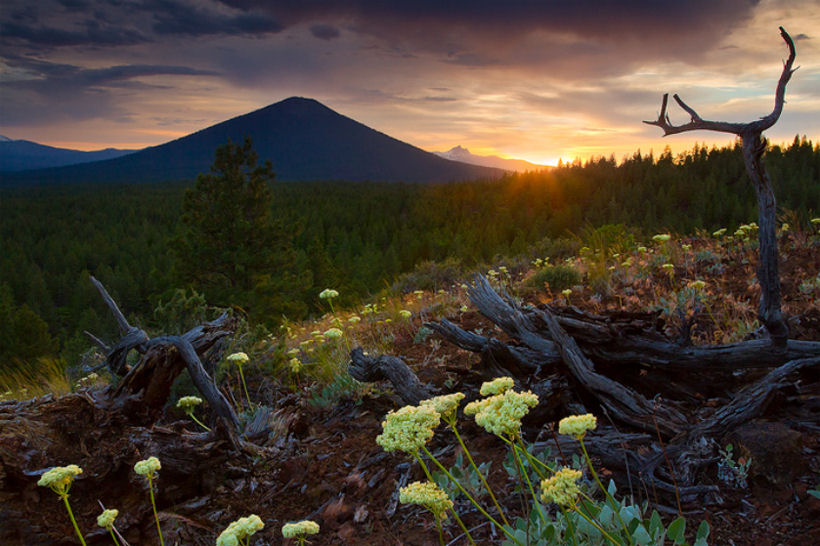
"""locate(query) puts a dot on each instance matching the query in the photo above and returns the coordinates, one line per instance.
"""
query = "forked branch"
(754, 145)
(698, 123)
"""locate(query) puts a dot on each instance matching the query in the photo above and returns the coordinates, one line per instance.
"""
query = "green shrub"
(557, 277)
(430, 276)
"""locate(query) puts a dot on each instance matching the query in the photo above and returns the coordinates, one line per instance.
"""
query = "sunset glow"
(519, 81)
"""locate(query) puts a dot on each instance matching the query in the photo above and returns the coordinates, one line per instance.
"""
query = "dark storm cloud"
(56, 23)
(324, 32)
(88, 32)
(182, 18)
(43, 94)
(599, 18)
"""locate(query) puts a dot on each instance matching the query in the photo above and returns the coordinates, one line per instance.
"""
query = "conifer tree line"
(238, 237)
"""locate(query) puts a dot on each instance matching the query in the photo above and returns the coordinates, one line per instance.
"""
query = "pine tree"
(232, 248)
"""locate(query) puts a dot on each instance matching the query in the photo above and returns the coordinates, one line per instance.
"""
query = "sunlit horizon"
(519, 81)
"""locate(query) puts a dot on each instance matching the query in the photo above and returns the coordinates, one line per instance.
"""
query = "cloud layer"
(533, 79)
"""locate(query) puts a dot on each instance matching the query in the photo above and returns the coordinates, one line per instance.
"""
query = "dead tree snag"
(754, 145)
(145, 387)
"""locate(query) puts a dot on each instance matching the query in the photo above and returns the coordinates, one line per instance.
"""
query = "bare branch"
(698, 123)
(694, 124)
(780, 94)
(122, 322)
(98, 342)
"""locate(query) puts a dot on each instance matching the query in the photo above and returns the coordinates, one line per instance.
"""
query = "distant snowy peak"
(460, 153)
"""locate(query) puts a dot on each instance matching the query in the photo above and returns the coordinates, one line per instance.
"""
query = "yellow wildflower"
(503, 412)
(238, 358)
(106, 519)
(446, 405)
(60, 478)
(409, 428)
(295, 365)
(188, 403)
(496, 386)
(328, 294)
(300, 529)
(428, 495)
(562, 488)
(147, 467)
(577, 425)
(240, 529)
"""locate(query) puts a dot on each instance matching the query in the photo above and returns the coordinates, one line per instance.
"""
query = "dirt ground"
(324, 464)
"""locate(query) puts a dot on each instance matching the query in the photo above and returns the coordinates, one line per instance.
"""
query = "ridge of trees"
(356, 236)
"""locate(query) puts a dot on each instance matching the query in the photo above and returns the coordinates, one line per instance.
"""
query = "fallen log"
(369, 369)
(144, 389)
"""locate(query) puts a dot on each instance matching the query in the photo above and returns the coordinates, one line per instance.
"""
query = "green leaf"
(629, 514)
(611, 488)
(640, 536)
(676, 529)
(703, 534)
(655, 524)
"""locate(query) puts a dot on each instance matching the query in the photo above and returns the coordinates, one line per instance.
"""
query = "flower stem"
(606, 493)
(113, 536)
(71, 515)
(154, 507)
(470, 497)
(529, 485)
(570, 526)
(453, 510)
(192, 416)
(438, 526)
(606, 535)
(245, 387)
(480, 475)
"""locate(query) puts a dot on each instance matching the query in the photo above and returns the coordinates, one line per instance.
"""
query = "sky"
(533, 79)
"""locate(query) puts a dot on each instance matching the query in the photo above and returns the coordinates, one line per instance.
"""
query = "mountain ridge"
(304, 139)
(459, 153)
(22, 155)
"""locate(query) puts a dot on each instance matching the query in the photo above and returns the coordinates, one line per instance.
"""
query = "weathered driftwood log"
(368, 369)
(587, 344)
(618, 339)
(145, 387)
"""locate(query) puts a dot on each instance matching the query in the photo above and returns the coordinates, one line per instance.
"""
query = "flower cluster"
(577, 425)
(300, 529)
(698, 284)
(188, 403)
(428, 495)
(333, 333)
(409, 428)
(496, 386)
(106, 519)
(147, 467)
(661, 237)
(238, 358)
(501, 414)
(295, 365)
(60, 478)
(239, 530)
(405, 314)
(562, 488)
(328, 294)
(446, 405)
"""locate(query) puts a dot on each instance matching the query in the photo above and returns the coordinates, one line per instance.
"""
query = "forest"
(359, 237)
